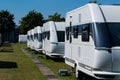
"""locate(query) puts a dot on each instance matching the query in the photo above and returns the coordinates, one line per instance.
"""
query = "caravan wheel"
(81, 76)
(78, 74)
(47, 57)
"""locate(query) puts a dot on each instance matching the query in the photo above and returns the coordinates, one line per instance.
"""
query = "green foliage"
(31, 20)
(6, 21)
(56, 17)
(93, 1)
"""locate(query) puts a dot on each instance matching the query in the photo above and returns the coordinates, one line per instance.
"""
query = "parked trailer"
(32, 39)
(28, 39)
(92, 40)
(38, 38)
(53, 39)
(22, 38)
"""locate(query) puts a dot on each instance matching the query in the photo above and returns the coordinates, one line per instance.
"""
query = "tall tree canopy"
(6, 21)
(31, 20)
(6, 24)
(93, 1)
(56, 17)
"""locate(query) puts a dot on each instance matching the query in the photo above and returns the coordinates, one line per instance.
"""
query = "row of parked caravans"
(92, 40)
(49, 39)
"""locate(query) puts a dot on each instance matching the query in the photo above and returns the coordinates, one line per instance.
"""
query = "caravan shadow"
(8, 65)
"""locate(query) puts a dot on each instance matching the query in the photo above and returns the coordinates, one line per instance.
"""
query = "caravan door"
(68, 44)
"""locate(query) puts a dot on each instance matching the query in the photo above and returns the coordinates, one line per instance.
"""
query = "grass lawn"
(55, 66)
(15, 65)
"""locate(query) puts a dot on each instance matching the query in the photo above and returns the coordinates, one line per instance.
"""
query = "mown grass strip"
(17, 66)
(54, 65)
(45, 71)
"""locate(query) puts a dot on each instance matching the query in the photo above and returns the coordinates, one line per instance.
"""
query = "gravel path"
(45, 71)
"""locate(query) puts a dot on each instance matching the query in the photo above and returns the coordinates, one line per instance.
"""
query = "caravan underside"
(104, 64)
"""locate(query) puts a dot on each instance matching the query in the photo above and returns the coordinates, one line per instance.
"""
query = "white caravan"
(28, 39)
(92, 40)
(32, 39)
(38, 38)
(22, 38)
(53, 39)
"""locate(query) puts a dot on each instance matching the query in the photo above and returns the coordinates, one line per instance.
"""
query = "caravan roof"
(93, 13)
(59, 25)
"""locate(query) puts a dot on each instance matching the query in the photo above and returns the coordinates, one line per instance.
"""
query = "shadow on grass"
(58, 59)
(6, 47)
(6, 64)
(6, 50)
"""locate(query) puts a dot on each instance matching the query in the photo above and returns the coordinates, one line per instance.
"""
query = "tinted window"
(48, 35)
(114, 29)
(28, 37)
(101, 33)
(67, 33)
(79, 29)
(75, 32)
(61, 36)
(107, 34)
(32, 37)
(45, 35)
(40, 37)
(36, 36)
(85, 32)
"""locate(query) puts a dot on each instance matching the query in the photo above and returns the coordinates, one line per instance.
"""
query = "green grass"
(15, 65)
(55, 66)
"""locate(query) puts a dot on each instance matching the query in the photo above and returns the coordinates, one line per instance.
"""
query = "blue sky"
(20, 8)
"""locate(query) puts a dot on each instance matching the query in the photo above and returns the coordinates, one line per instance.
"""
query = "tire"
(78, 74)
(47, 57)
(81, 76)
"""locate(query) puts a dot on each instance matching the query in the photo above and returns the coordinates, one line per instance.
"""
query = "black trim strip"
(85, 66)
(69, 60)
(79, 64)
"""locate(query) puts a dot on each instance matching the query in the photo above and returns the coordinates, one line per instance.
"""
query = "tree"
(6, 21)
(6, 24)
(31, 20)
(93, 1)
(55, 17)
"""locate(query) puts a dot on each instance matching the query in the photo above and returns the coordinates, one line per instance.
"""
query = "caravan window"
(107, 34)
(67, 33)
(40, 37)
(75, 32)
(114, 29)
(36, 36)
(80, 30)
(61, 36)
(43, 35)
(102, 36)
(85, 32)
(32, 37)
(28, 37)
(48, 35)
